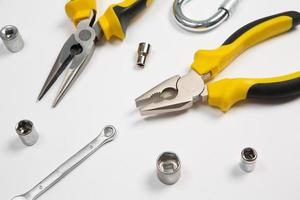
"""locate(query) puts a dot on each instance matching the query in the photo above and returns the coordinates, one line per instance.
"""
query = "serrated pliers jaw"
(173, 95)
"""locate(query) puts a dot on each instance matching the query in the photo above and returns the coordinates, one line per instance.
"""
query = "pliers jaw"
(173, 95)
(73, 57)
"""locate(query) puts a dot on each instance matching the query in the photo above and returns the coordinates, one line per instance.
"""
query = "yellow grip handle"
(116, 19)
(214, 61)
(78, 10)
(227, 92)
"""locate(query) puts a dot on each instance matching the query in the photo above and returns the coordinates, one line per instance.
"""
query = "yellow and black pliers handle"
(79, 48)
(225, 93)
(114, 21)
(179, 93)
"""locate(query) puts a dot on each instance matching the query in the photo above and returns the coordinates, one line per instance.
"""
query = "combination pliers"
(79, 48)
(180, 93)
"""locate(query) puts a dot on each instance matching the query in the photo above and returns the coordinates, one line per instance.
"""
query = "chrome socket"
(168, 168)
(11, 38)
(27, 133)
(143, 51)
(248, 159)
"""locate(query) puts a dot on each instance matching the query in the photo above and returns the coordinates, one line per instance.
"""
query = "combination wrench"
(107, 135)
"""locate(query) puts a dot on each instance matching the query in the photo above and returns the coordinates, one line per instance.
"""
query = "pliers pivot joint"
(196, 85)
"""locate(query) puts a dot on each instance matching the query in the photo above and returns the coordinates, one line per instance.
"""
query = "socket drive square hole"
(168, 163)
(169, 167)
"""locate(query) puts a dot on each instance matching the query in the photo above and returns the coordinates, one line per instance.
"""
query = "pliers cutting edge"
(180, 93)
(79, 48)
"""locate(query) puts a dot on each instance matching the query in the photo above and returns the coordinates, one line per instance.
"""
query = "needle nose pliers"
(180, 93)
(79, 48)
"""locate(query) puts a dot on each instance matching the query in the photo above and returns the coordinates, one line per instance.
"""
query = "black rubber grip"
(126, 14)
(293, 14)
(273, 91)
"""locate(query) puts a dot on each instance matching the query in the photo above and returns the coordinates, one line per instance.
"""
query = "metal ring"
(223, 13)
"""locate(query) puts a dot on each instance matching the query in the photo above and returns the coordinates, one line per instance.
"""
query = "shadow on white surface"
(3, 50)
(67, 26)
(153, 183)
(237, 171)
(153, 118)
(16, 145)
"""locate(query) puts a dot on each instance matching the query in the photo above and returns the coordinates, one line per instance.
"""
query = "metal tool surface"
(222, 14)
(12, 38)
(79, 48)
(168, 168)
(107, 135)
(180, 93)
(27, 132)
(143, 51)
(248, 159)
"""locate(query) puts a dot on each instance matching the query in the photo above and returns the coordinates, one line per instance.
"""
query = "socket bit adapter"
(143, 51)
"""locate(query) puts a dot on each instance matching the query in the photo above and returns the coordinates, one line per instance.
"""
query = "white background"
(208, 141)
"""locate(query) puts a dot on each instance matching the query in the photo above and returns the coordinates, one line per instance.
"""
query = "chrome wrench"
(107, 135)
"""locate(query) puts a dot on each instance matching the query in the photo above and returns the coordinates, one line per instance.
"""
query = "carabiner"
(223, 13)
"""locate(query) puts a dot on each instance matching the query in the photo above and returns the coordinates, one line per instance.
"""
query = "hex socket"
(248, 159)
(12, 39)
(27, 133)
(168, 168)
